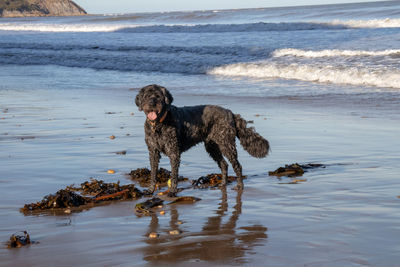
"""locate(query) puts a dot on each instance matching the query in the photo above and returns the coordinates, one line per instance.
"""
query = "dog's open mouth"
(152, 115)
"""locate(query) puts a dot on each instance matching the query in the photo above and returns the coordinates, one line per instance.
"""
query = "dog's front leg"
(154, 156)
(175, 162)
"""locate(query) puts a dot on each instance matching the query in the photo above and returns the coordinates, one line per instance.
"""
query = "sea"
(342, 49)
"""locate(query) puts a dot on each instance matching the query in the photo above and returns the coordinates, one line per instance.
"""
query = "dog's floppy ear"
(138, 99)
(167, 95)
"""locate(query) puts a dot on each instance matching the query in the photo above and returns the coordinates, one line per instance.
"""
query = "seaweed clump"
(145, 208)
(295, 169)
(101, 190)
(17, 240)
(62, 199)
(92, 192)
(210, 180)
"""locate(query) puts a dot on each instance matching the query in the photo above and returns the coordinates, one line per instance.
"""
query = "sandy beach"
(320, 82)
(344, 214)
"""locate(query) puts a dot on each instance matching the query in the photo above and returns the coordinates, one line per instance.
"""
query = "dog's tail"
(252, 142)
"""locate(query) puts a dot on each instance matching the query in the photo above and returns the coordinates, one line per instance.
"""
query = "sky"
(134, 6)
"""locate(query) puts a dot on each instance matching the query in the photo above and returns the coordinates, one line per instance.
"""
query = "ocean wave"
(359, 76)
(233, 52)
(332, 53)
(245, 27)
(167, 59)
(373, 23)
(60, 27)
(198, 28)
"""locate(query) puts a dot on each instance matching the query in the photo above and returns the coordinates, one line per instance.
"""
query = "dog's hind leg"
(229, 151)
(215, 153)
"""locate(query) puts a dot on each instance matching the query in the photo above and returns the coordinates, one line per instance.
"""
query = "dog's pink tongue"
(152, 116)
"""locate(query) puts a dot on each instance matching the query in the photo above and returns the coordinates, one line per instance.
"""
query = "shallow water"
(53, 138)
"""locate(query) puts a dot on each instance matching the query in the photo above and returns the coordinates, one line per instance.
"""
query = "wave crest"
(201, 28)
(60, 27)
(332, 53)
(197, 28)
(373, 23)
(312, 73)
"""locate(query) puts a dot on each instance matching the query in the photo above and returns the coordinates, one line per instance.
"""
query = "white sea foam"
(332, 53)
(373, 23)
(60, 27)
(313, 73)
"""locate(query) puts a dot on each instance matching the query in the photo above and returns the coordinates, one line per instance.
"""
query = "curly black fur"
(171, 130)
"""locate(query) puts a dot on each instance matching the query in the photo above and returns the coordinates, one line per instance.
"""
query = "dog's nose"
(153, 101)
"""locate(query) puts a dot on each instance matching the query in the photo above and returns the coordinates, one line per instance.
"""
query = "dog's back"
(206, 123)
(200, 123)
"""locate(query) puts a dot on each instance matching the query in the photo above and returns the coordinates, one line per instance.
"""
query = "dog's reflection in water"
(219, 240)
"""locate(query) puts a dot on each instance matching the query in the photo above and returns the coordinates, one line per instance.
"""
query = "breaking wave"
(60, 27)
(313, 73)
(351, 67)
(373, 23)
(332, 53)
(199, 28)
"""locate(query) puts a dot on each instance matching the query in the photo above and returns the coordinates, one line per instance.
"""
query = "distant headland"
(39, 8)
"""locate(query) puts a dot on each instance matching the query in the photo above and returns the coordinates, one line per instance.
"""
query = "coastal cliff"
(37, 8)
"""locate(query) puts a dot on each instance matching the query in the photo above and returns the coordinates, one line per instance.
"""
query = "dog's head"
(154, 100)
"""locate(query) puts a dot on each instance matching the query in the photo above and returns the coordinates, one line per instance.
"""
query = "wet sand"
(346, 214)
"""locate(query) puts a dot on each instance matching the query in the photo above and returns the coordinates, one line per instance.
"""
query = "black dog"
(171, 130)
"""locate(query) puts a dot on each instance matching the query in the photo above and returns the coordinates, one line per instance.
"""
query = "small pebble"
(153, 235)
(162, 212)
(174, 232)
(179, 222)
(68, 211)
(111, 171)
(112, 137)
